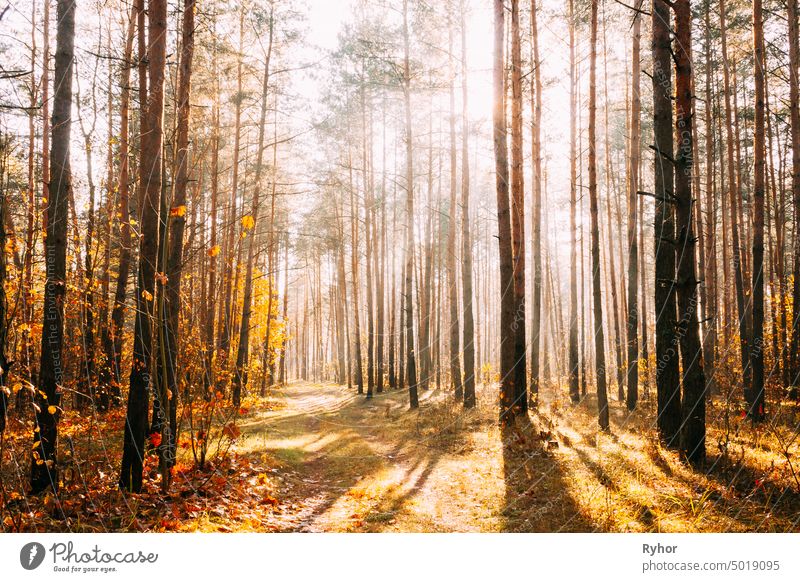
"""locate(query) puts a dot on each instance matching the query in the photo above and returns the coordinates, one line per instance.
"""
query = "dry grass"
(376, 466)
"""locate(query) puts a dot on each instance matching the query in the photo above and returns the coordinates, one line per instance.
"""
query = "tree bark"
(755, 399)
(44, 468)
(632, 395)
(599, 336)
(508, 391)
(693, 429)
(667, 356)
(468, 339)
(151, 180)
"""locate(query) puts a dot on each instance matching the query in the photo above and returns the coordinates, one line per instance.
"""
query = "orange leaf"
(231, 431)
(155, 439)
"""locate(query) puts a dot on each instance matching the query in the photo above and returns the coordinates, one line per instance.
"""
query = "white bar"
(385, 557)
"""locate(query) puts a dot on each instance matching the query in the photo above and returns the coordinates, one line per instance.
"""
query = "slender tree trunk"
(454, 362)
(508, 392)
(734, 196)
(755, 400)
(518, 216)
(633, 195)
(712, 307)
(794, 107)
(599, 337)
(536, 210)
(574, 366)
(411, 357)
(170, 305)
(44, 468)
(693, 406)
(667, 357)
(468, 339)
(151, 178)
(230, 251)
(243, 351)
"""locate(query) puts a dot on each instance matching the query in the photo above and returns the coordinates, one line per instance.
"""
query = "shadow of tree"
(536, 494)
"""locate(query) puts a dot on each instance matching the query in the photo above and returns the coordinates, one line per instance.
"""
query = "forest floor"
(317, 458)
(349, 464)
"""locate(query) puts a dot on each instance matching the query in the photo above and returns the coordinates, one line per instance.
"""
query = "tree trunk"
(734, 202)
(794, 106)
(44, 468)
(633, 195)
(693, 407)
(755, 399)
(508, 391)
(574, 367)
(169, 340)
(151, 179)
(599, 337)
(518, 216)
(411, 358)
(243, 352)
(536, 210)
(454, 362)
(468, 340)
(667, 374)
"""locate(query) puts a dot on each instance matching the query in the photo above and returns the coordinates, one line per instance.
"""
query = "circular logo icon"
(31, 555)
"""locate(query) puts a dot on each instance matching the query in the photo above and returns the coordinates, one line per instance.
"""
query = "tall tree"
(411, 357)
(794, 107)
(599, 335)
(468, 340)
(633, 195)
(536, 209)
(574, 366)
(693, 406)
(243, 351)
(508, 391)
(450, 262)
(734, 202)
(169, 340)
(667, 374)
(518, 215)
(44, 468)
(150, 176)
(755, 394)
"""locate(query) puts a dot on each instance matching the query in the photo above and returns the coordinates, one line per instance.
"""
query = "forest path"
(345, 463)
(340, 462)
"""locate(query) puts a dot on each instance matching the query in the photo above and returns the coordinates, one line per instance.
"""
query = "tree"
(536, 210)
(668, 390)
(574, 366)
(599, 337)
(755, 394)
(468, 340)
(518, 216)
(150, 176)
(452, 279)
(633, 195)
(508, 391)
(794, 108)
(734, 201)
(249, 223)
(411, 358)
(169, 304)
(44, 468)
(693, 406)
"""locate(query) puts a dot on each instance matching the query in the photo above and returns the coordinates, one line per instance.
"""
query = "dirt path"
(343, 463)
(350, 464)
